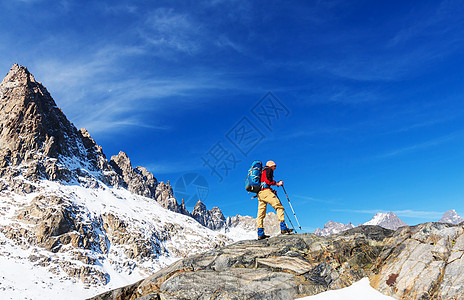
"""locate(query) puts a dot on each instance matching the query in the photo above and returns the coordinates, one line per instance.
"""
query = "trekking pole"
(290, 220)
(291, 207)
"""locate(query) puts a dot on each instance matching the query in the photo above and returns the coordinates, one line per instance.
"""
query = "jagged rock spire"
(36, 135)
(213, 219)
(30, 121)
(137, 180)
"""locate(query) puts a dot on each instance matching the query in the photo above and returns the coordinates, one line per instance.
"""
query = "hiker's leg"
(261, 213)
(275, 203)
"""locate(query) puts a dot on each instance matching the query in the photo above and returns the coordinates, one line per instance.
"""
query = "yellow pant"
(268, 197)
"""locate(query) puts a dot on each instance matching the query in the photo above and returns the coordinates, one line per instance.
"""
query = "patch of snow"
(239, 233)
(20, 277)
(386, 220)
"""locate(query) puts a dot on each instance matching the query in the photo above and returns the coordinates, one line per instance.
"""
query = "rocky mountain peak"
(19, 75)
(37, 141)
(137, 180)
(200, 207)
(452, 217)
(332, 227)
(33, 128)
(213, 219)
(386, 220)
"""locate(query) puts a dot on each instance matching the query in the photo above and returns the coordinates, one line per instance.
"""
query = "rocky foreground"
(420, 262)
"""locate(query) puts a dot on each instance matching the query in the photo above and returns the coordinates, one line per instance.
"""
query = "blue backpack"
(253, 180)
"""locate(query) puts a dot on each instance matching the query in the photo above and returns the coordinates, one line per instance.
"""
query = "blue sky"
(370, 93)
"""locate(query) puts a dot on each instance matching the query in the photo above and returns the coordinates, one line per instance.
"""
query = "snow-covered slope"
(72, 223)
(332, 227)
(386, 220)
(452, 217)
(116, 238)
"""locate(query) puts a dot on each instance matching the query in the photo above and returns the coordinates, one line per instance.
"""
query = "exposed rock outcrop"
(164, 195)
(138, 180)
(35, 133)
(37, 141)
(284, 267)
(332, 227)
(420, 262)
(213, 219)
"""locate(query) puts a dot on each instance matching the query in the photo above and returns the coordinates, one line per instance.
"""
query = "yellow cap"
(270, 163)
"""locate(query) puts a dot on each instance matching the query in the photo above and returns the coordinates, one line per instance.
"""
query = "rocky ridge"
(213, 219)
(419, 262)
(332, 227)
(386, 220)
(37, 141)
(58, 196)
(452, 217)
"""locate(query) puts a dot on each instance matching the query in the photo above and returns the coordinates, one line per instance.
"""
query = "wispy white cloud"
(117, 9)
(168, 30)
(224, 42)
(419, 214)
(421, 146)
(429, 22)
(349, 96)
(113, 100)
(307, 199)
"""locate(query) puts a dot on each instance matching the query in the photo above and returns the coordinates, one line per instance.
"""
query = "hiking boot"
(262, 237)
(284, 229)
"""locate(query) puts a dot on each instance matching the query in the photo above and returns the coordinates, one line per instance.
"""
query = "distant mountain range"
(386, 220)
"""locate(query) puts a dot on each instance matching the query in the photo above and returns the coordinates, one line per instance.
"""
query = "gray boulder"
(420, 262)
(283, 267)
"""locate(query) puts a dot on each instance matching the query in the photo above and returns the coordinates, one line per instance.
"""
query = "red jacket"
(267, 178)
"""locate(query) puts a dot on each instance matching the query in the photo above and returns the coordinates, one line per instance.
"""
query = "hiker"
(268, 196)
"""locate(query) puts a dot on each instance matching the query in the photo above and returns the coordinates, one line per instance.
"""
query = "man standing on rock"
(268, 196)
